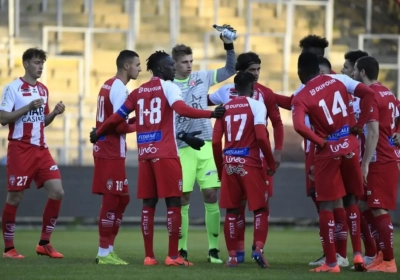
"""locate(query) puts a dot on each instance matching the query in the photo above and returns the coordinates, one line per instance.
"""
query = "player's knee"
(260, 210)
(326, 205)
(362, 205)
(377, 212)
(14, 198)
(338, 203)
(185, 199)
(54, 189)
(234, 211)
(210, 195)
(173, 201)
(150, 202)
(124, 200)
(349, 200)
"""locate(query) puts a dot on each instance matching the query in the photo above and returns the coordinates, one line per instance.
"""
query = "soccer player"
(160, 173)
(241, 168)
(380, 161)
(325, 100)
(195, 134)
(109, 178)
(25, 109)
(251, 62)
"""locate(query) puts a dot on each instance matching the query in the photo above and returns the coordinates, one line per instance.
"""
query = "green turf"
(288, 252)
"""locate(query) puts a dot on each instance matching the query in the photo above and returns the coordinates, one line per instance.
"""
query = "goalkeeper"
(193, 134)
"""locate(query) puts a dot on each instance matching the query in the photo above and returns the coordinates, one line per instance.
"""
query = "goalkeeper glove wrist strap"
(228, 47)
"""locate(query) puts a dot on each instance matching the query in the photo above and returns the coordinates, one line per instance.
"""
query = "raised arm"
(228, 70)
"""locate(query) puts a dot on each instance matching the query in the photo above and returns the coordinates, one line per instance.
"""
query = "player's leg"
(188, 160)
(207, 178)
(370, 248)
(341, 230)
(147, 191)
(382, 195)
(168, 174)
(241, 230)
(119, 213)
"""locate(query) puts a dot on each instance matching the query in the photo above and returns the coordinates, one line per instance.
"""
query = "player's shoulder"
(39, 84)
(227, 87)
(255, 104)
(169, 86)
(340, 77)
(16, 84)
(263, 88)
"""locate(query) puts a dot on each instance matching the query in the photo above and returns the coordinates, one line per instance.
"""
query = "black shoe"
(213, 256)
(183, 254)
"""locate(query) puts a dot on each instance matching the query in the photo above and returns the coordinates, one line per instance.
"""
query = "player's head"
(249, 62)
(350, 59)
(307, 66)
(128, 61)
(161, 65)
(314, 44)
(325, 66)
(33, 60)
(244, 83)
(366, 69)
(183, 57)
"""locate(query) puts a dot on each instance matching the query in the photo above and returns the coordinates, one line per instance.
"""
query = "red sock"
(174, 221)
(119, 213)
(148, 230)
(354, 224)
(383, 224)
(341, 230)
(107, 218)
(260, 228)
(240, 228)
(369, 217)
(267, 225)
(230, 232)
(50, 216)
(8, 224)
(366, 236)
(327, 231)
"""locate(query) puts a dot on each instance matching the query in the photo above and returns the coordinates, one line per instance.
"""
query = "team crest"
(192, 83)
(180, 183)
(11, 180)
(110, 216)
(109, 184)
(10, 227)
(53, 221)
(42, 91)
(126, 182)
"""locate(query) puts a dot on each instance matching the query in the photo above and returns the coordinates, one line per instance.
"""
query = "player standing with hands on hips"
(25, 109)
(195, 134)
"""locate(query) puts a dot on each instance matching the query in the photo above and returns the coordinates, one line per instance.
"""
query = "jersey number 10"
(338, 106)
(154, 114)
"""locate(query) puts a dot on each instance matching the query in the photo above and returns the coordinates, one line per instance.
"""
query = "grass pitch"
(288, 252)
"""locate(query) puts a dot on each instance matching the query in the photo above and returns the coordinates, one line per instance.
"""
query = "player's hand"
(270, 172)
(218, 112)
(323, 144)
(364, 170)
(396, 139)
(223, 38)
(93, 136)
(35, 104)
(311, 192)
(277, 158)
(311, 173)
(59, 109)
(356, 131)
(191, 139)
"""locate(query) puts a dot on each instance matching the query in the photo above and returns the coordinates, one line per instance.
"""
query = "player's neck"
(29, 80)
(309, 78)
(368, 82)
(122, 77)
(180, 77)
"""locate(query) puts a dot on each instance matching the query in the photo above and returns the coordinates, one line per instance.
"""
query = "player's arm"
(275, 117)
(221, 74)
(283, 101)
(371, 140)
(50, 116)
(217, 145)
(298, 117)
(117, 99)
(219, 97)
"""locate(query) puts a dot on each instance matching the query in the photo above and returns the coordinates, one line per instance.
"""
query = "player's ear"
(25, 63)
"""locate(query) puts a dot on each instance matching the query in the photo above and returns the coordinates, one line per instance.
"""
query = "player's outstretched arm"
(124, 128)
(283, 101)
(217, 145)
(182, 109)
(220, 96)
(265, 146)
(9, 116)
(228, 70)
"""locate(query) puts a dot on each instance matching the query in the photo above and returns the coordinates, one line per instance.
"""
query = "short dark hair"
(353, 56)
(154, 60)
(124, 56)
(180, 50)
(324, 61)
(243, 79)
(313, 41)
(34, 53)
(308, 63)
(244, 60)
(370, 65)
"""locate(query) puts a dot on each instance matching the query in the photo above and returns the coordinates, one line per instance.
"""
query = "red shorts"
(336, 177)
(159, 178)
(268, 179)
(309, 183)
(382, 185)
(26, 162)
(240, 181)
(109, 177)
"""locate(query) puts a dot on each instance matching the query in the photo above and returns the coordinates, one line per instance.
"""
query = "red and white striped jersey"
(30, 127)
(112, 95)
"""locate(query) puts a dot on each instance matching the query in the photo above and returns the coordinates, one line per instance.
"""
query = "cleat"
(48, 250)
(320, 261)
(385, 266)
(150, 261)
(240, 257)
(367, 261)
(12, 254)
(326, 268)
(359, 264)
(183, 254)
(213, 256)
(178, 261)
(115, 256)
(377, 261)
(107, 260)
(258, 256)
(342, 262)
(232, 262)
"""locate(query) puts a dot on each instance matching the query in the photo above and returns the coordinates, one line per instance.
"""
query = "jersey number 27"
(338, 106)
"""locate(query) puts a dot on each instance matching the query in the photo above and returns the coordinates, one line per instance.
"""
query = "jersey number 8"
(154, 113)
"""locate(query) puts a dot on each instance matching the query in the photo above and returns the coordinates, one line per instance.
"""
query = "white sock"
(110, 248)
(102, 252)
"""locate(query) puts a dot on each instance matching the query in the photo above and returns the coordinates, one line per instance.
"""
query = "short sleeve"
(349, 83)
(298, 89)
(172, 92)
(221, 96)
(7, 99)
(118, 94)
(374, 113)
(259, 112)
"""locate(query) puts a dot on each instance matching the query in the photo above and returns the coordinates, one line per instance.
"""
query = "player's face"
(168, 69)
(184, 65)
(133, 68)
(316, 51)
(347, 68)
(255, 70)
(34, 67)
(323, 69)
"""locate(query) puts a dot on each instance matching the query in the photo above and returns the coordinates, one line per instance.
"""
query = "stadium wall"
(289, 205)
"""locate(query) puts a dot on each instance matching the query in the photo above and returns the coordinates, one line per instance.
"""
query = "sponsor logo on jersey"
(148, 150)
(231, 159)
(391, 141)
(343, 132)
(149, 137)
(151, 89)
(237, 151)
(234, 106)
(34, 116)
(336, 148)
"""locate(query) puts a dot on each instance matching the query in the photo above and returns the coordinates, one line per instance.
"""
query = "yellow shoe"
(107, 260)
(115, 256)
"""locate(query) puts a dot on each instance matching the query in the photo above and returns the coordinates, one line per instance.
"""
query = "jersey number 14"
(338, 106)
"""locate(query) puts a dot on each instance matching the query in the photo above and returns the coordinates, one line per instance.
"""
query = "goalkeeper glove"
(191, 139)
